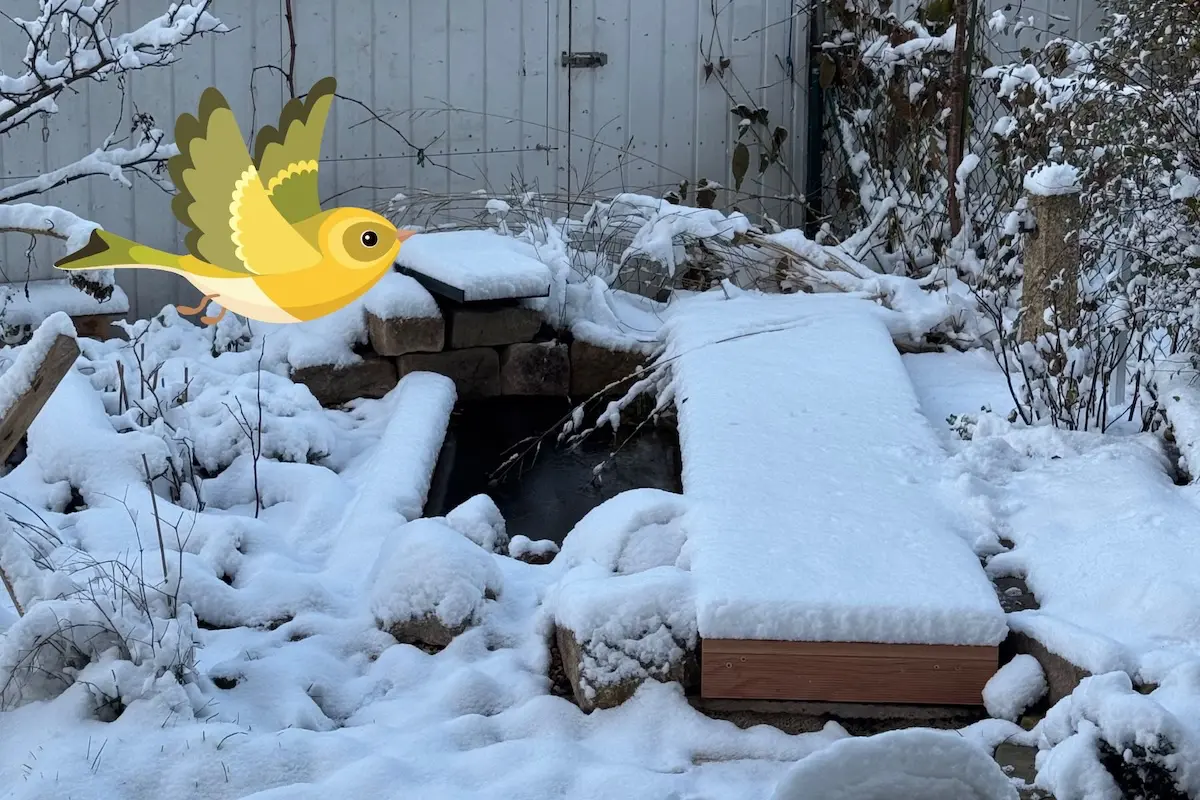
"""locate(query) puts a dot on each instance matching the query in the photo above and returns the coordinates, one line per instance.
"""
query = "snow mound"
(634, 531)
(429, 570)
(931, 765)
(293, 426)
(1052, 179)
(1015, 687)
(478, 519)
(625, 595)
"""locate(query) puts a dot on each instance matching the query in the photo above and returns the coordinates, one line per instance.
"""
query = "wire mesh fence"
(887, 106)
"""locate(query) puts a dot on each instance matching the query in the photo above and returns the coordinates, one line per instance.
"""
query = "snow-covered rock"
(478, 519)
(431, 582)
(624, 610)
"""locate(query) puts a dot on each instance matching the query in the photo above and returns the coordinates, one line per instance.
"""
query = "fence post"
(958, 108)
(1051, 253)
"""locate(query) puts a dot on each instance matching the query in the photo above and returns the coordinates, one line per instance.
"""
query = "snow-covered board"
(814, 474)
(474, 265)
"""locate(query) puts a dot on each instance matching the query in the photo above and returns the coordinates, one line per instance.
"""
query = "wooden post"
(1051, 265)
(959, 87)
(55, 363)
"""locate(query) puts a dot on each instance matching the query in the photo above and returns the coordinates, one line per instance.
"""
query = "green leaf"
(741, 163)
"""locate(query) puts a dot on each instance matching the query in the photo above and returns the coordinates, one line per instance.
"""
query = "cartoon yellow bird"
(259, 243)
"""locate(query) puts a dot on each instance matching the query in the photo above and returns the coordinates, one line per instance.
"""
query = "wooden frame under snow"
(845, 672)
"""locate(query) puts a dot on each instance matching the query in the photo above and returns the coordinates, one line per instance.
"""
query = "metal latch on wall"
(586, 60)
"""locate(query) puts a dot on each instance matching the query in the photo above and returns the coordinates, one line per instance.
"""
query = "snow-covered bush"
(99, 628)
(1125, 111)
(71, 42)
(1108, 740)
(889, 80)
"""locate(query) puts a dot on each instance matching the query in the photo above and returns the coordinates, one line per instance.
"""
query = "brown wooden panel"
(845, 672)
(15, 421)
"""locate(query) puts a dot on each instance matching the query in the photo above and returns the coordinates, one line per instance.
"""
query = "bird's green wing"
(287, 156)
(222, 199)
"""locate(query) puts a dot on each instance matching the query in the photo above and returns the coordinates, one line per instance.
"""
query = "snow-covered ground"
(230, 634)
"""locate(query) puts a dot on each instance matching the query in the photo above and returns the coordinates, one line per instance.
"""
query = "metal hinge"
(588, 60)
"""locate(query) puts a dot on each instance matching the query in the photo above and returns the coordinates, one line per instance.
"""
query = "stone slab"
(333, 385)
(475, 371)
(398, 337)
(593, 368)
(535, 369)
(490, 327)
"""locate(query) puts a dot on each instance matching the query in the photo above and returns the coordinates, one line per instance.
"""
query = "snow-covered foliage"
(1119, 114)
(1108, 742)
(70, 42)
(890, 84)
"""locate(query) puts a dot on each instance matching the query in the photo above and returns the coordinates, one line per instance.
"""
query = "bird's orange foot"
(210, 321)
(188, 311)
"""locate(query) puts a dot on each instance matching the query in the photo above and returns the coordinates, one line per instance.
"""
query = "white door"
(647, 95)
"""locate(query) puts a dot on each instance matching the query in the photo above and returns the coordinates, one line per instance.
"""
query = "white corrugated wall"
(473, 88)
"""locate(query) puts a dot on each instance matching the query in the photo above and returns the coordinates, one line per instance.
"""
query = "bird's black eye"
(370, 238)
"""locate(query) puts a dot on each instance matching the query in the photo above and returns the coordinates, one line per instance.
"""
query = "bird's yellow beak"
(402, 235)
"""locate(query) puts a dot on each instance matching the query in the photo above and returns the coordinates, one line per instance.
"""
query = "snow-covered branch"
(111, 163)
(72, 41)
(38, 220)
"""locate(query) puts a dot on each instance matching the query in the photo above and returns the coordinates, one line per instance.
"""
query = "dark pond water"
(544, 496)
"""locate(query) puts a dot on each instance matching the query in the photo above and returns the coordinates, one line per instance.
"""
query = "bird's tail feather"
(106, 250)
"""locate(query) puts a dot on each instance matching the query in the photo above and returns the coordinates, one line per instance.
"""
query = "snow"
(17, 379)
(1180, 396)
(481, 263)
(958, 384)
(521, 545)
(398, 296)
(1105, 708)
(251, 654)
(1052, 179)
(478, 519)
(859, 547)
(401, 466)
(29, 304)
(625, 593)
(256, 666)
(929, 764)
(428, 569)
(1015, 687)
(664, 223)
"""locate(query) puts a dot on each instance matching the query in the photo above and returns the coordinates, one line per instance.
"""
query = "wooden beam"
(845, 672)
(59, 359)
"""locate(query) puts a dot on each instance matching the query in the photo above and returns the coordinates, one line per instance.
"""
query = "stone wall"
(487, 349)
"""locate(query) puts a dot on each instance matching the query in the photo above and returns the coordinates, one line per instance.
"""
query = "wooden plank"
(60, 357)
(845, 672)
